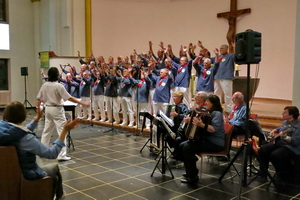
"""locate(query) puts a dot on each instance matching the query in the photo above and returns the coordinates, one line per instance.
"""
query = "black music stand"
(164, 148)
(70, 106)
(146, 115)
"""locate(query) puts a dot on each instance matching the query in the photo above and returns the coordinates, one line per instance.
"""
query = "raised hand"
(200, 44)
(161, 44)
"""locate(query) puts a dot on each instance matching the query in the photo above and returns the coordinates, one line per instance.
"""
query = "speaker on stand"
(24, 72)
(247, 51)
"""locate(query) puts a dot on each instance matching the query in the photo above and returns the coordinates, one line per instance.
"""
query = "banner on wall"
(44, 57)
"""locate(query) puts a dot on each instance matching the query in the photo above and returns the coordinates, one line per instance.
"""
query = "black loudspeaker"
(248, 47)
(24, 71)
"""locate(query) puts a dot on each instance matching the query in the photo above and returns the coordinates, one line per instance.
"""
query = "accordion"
(194, 132)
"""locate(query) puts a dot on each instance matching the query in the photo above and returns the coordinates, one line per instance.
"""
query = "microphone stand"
(137, 106)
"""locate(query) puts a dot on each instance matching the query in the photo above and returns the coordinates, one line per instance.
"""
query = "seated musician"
(177, 114)
(238, 114)
(200, 98)
(180, 110)
(285, 146)
(213, 141)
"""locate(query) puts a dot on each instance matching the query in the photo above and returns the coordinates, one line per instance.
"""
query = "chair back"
(228, 128)
(10, 173)
(12, 183)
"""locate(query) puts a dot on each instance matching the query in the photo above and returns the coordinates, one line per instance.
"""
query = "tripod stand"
(150, 117)
(246, 149)
(26, 100)
(162, 153)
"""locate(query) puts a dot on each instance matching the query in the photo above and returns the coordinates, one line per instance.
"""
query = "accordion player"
(194, 132)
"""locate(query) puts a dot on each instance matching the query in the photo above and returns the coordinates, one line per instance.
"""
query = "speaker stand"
(26, 100)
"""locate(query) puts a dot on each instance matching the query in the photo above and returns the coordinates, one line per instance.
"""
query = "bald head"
(238, 98)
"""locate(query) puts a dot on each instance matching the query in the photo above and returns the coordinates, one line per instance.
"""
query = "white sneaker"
(130, 124)
(102, 120)
(63, 158)
(108, 121)
(148, 127)
(123, 124)
(135, 126)
(88, 119)
(96, 119)
(117, 122)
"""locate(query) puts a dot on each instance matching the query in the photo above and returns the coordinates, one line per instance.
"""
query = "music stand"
(163, 152)
(146, 115)
(70, 106)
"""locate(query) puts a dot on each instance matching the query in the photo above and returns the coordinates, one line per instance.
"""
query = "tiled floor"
(111, 166)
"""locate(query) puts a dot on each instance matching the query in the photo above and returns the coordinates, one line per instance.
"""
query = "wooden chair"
(14, 186)
(225, 152)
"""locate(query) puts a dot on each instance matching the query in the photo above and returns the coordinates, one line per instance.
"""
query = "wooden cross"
(231, 17)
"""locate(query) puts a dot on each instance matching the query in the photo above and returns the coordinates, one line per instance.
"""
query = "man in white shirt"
(53, 95)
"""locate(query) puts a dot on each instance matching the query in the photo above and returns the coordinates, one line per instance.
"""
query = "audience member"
(28, 146)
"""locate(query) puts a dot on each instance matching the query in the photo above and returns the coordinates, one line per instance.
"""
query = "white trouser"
(159, 106)
(86, 109)
(54, 118)
(143, 107)
(186, 93)
(112, 108)
(127, 109)
(171, 99)
(224, 86)
(150, 101)
(99, 104)
(78, 110)
(133, 102)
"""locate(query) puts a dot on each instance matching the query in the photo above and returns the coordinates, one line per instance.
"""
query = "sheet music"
(70, 103)
(167, 119)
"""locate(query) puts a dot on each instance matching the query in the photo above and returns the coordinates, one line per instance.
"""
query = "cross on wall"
(231, 17)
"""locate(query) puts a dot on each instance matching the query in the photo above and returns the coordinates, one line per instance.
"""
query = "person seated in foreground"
(28, 146)
(200, 98)
(237, 116)
(284, 146)
(213, 141)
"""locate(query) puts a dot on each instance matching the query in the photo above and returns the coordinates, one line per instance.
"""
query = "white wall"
(56, 25)
(21, 51)
(119, 26)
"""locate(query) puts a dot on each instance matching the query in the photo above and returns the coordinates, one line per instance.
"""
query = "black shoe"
(262, 174)
(190, 180)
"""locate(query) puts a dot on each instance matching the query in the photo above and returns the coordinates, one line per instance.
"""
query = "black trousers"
(189, 150)
(280, 156)
(53, 171)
